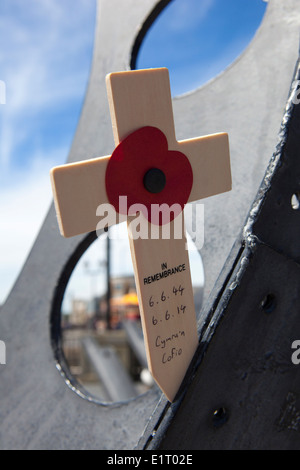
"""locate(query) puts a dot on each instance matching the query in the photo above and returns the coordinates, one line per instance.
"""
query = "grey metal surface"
(242, 392)
(40, 407)
(112, 374)
(136, 341)
(245, 391)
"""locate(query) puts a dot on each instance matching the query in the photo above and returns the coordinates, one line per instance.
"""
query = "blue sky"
(198, 39)
(46, 50)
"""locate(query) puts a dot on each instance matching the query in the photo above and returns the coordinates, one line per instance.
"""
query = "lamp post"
(94, 272)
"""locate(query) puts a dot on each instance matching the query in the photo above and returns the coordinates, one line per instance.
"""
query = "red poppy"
(143, 169)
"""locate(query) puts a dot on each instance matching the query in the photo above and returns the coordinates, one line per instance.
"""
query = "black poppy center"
(154, 180)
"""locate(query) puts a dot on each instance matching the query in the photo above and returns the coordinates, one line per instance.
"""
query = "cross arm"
(210, 161)
(140, 98)
(78, 189)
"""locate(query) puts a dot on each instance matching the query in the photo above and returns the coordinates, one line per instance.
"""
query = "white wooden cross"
(141, 108)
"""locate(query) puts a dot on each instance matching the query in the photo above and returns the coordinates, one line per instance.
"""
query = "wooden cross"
(149, 165)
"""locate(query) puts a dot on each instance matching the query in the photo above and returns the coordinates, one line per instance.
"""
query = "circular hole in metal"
(95, 321)
(196, 39)
(220, 416)
(295, 201)
(268, 303)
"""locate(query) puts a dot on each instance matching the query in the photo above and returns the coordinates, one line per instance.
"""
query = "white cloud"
(45, 56)
(23, 206)
(44, 61)
(181, 14)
